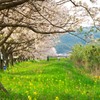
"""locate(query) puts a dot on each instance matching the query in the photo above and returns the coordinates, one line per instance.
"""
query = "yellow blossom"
(57, 98)
(30, 84)
(35, 93)
(29, 98)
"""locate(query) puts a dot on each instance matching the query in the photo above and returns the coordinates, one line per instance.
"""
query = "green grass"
(53, 80)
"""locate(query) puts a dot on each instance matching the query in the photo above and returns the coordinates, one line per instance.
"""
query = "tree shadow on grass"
(12, 96)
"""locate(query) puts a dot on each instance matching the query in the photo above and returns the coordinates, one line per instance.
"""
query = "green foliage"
(53, 80)
(87, 56)
(0, 75)
(80, 29)
(92, 30)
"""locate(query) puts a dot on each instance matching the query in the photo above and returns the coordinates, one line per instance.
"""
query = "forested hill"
(68, 40)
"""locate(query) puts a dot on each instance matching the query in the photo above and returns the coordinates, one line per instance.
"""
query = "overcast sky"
(88, 21)
(95, 3)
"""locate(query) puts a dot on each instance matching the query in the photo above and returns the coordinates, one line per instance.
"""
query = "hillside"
(53, 80)
(67, 41)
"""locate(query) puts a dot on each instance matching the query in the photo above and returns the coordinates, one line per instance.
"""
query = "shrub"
(87, 56)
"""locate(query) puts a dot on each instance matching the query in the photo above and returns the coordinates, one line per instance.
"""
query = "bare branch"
(34, 30)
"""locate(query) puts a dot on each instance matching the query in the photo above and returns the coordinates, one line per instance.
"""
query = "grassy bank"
(53, 80)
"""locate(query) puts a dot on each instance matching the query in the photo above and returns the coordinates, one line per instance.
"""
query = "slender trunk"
(1, 64)
(11, 59)
(6, 60)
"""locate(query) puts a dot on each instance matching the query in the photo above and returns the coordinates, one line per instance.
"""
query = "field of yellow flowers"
(53, 80)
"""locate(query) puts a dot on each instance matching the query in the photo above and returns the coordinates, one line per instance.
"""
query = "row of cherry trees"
(28, 27)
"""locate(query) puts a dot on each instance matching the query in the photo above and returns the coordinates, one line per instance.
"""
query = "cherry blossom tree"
(42, 17)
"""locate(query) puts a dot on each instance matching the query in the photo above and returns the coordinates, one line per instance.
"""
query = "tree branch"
(34, 30)
(6, 4)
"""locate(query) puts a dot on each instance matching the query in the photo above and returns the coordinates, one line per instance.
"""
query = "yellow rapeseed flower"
(57, 98)
(30, 84)
(35, 93)
(29, 98)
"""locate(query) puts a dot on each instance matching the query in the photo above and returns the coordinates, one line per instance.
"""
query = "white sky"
(96, 3)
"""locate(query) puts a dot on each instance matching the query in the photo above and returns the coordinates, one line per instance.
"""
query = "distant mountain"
(67, 41)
